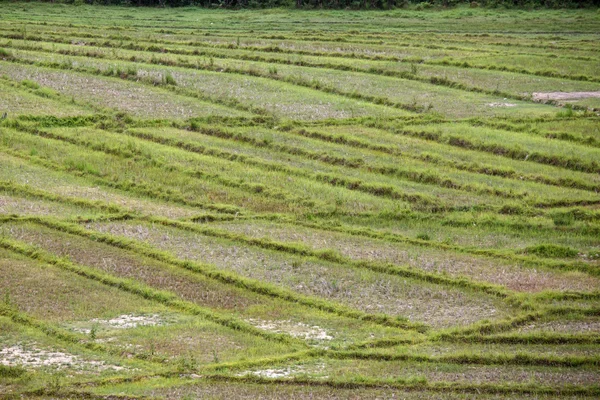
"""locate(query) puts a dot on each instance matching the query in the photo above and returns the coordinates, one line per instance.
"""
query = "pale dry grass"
(136, 99)
(511, 275)
(368, 291)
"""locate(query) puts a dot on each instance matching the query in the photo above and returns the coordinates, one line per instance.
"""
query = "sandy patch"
(285, 372)
(34, 357)
(295, 329)
(501, 105)
(125, 321)
(539, 96)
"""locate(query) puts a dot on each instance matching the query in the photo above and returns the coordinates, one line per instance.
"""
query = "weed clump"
(7, 371)
(29, 84)
(423, 236)
(5, 54)
(551, 251)
(169, 80)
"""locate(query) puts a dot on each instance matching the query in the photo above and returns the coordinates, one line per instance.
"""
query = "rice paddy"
(299, 204)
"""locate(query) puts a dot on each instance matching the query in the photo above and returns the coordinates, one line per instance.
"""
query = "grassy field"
(299, 204)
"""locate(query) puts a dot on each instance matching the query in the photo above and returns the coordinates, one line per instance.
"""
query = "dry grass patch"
(15, 102)
(368, 291)
(511, 275)
(23, 206)
(136, 99)
(55, 295)
(287, 317)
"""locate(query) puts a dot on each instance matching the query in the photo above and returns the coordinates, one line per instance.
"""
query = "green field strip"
(304, 104)
(37, 102)
(546, 339)
(415, 257)
(298, 157)
(395, 54)
(141, 99)
(225, 277)
(554, 130)
(115, 211)
(328, 178)
(519, 147)
(423, 73)
(321, 80)
(194, 167)
(199, 144)
(162, 297)
(336, 153)
(27, 170)
(13, 203)
(433, 350)
(530, 64)
(178, 182)
(358, 143)
(392, 42)
(11, 187)
(505, 332)
(377, 138)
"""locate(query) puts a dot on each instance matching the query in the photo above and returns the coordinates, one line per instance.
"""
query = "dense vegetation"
(282, 204)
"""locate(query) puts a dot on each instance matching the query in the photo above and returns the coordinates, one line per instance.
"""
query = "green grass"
(299, 204)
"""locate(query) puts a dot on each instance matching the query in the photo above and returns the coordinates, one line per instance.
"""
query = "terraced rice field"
(284, 204)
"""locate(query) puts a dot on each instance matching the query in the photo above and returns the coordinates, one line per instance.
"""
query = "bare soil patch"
(30, 356)
(296, 329)
(540, 96)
